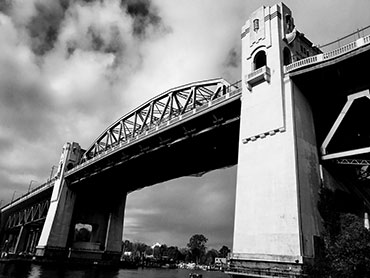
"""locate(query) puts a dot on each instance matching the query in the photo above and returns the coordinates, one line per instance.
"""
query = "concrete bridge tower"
(84, 222)
(54, 235)
(276, 220)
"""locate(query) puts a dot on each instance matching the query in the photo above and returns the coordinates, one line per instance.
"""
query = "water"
(17, 270)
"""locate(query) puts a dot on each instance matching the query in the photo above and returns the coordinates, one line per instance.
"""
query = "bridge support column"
(276, 220)
(113, 240)
(20, 240)
(97, 224)
(23, 239)
(54, 235)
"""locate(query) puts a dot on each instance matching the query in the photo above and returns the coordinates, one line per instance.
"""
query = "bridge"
(296, 122)
(202, 117)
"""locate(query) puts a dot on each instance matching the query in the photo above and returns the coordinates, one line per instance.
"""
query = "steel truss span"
(30, 214)
(162, 110)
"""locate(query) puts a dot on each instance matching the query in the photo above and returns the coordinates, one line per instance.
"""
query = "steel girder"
(350, 100)
(351, 161)
(159, 111)
(30, 214)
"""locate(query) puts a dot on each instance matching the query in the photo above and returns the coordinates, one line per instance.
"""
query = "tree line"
(195, 251)
(344, 247)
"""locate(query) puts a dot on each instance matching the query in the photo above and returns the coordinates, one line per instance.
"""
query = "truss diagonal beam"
(33, 213)
(342, 114)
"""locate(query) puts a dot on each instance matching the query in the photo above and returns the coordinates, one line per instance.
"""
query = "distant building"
(220, 261)
(156, 245)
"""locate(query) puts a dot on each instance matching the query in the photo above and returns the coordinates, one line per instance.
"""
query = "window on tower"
(260, 60)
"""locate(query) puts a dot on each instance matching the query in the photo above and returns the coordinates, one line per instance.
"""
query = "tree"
(344, 249)
(163, 251)
(173, 253)
(137, 248)
(127, 246)
(224, 251)
(347, 254)
(197, 246)
(184, 254)
(148, 251)
(157, 252)
(350, 253)
(210, 256)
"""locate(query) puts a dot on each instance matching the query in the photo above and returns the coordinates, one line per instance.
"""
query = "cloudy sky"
(68, 69)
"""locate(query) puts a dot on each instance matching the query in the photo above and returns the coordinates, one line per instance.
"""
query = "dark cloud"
(25, 108)
(97, 42)
(233, 58)
(114, 45)
(5, 6)
(144, 15)
(47, 18)
(232, 64)
(44, 26)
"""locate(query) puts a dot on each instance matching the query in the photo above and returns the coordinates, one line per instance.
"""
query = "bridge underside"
(327, 87)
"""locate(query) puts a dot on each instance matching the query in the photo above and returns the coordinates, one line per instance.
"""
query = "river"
(42, 271)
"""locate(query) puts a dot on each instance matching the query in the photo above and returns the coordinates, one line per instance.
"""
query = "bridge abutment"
(276, 220)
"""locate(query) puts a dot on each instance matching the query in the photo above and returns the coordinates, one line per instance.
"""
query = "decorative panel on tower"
(257, 26)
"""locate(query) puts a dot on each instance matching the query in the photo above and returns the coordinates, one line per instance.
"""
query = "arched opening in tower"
(260, 60)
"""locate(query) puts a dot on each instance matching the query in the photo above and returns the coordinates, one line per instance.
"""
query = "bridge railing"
(32, 192)
(358, 43)
(359, 33)
(234, 87)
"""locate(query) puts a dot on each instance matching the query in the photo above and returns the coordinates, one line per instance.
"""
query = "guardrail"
(359, 33)
(328, 55)
(37, 189)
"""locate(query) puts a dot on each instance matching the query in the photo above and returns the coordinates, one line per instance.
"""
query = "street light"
(52, 170)
(13, 196)
(29, 187)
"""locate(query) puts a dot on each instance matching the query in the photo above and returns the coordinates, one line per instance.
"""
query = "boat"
(195, 275)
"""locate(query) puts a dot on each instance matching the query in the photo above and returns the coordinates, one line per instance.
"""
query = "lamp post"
(52, 171)
(13, 196)
(29, 187)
